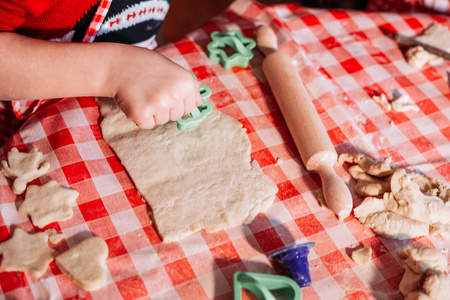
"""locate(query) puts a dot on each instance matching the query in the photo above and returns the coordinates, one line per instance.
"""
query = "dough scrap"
(48, 203)
(83, 263)
(202, 178)
(373, 213)
(382, 100)
(424, 278)
(404, 103)
(23, 168)
(26, 252)
(370, 166)
(362, 256)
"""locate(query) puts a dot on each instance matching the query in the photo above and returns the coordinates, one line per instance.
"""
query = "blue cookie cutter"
(233, 39)
(199, 113)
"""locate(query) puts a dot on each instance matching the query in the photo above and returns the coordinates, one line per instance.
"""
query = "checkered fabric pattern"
(97, 21)
(344, 58)
(425, 6)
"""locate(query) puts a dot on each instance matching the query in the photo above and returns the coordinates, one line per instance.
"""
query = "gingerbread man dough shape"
(23, 168)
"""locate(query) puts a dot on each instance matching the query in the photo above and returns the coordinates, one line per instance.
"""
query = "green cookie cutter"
(199, 113)
(266, 286)
(234, 39)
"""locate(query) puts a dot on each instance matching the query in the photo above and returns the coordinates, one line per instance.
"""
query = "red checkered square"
(132, 287)
(309, 225)
(10, 281)
(93, 210)
(268, 240)
(116, 247)
(225, 254)
(179, 271)
(76, 172)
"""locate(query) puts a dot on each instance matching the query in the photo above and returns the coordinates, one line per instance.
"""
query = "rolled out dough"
(201, 178)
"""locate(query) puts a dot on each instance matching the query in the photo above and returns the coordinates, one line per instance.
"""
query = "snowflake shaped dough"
(27, 253)
(23, 168)
(48, 203)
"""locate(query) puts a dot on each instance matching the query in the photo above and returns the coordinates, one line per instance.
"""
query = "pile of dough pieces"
(398, 204)
(47, 204)
(424, 277)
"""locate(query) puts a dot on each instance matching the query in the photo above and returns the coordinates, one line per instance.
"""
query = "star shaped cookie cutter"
(232, 39)
(199, 113)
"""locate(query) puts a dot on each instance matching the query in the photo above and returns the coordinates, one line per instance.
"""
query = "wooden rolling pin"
(305, 126)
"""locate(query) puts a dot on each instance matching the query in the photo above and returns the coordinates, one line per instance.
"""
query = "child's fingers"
(199, 100)
(176, 112)
(145, 123)
(162, 117)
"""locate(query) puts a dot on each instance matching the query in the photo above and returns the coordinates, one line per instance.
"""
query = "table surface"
(343, 57)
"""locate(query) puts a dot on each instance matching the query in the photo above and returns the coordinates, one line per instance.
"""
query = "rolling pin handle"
(266, 40)
(335, 191)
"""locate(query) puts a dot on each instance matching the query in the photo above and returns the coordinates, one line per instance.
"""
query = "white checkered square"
(341, 236)
(193, 244)
(10, 214)
(145, 259)
(214, 284)
(425, 125)
(328, 288)
(90, 151)
(363, 21)
(249, 108)
(107, 185)
(278, 214)
(270, 137)
(325, 58)
(304, 36)
(378, 73)
(74, 118)
(429, 89)
(125, 221)
(335, 28)
(394, 135)
(347, 83)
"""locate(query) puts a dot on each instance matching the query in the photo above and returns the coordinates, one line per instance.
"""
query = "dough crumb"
(23, 168)
(362, 256)
(83, 263)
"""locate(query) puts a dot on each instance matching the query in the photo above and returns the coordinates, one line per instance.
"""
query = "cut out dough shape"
(48, 203)
(27, 253)
(23, 168)
(362, 256)
(202, 178)
(83, 263)
(423, 277)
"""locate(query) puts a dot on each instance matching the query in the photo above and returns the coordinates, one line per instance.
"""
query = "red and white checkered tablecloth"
(344, 57)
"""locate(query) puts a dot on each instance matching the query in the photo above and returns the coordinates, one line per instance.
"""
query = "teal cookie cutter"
(199, 113)
(266, 286)
(233, 39)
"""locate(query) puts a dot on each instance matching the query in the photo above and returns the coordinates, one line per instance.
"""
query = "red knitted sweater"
(42, 19)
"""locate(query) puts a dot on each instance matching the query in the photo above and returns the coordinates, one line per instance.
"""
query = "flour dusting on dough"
(201, 178)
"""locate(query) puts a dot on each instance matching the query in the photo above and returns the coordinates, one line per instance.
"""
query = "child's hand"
(151, 89)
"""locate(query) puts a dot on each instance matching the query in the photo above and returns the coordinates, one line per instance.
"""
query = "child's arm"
(148, 87)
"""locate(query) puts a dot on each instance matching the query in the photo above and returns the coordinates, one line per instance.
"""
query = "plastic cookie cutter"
(266, 286)
(294, 260)
(199, 113)
(233, 39)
